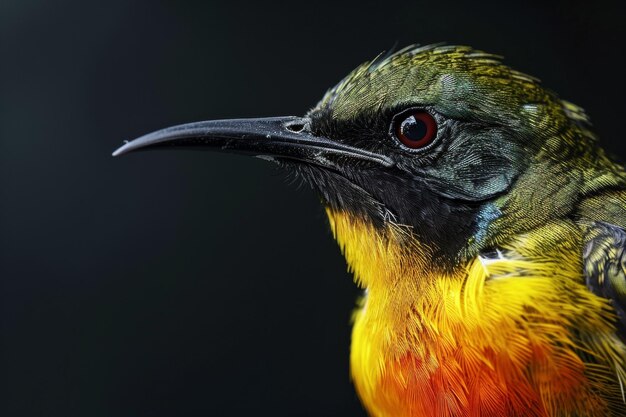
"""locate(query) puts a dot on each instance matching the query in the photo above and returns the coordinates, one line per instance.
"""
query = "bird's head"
(443, 142)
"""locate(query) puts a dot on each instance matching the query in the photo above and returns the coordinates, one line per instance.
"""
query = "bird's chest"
(464, 349)
(491, 338)
(418, 372)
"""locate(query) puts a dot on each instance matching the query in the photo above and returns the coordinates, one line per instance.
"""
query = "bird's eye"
(415, 129)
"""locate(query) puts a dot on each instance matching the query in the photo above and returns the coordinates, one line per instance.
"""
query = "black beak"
(273, 138)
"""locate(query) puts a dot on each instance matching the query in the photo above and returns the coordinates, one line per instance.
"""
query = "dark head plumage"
(504, 146)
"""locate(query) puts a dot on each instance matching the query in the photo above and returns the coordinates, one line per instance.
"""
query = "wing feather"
(604, 262)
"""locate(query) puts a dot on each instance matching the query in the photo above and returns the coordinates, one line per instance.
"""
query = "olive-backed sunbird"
(482, 219)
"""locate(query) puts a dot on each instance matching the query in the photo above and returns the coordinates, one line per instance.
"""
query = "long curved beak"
(269, 138)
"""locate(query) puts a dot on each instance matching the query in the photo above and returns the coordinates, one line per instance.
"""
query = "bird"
(483, 221)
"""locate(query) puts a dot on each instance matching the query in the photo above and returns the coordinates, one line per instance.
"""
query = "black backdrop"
(197, 284)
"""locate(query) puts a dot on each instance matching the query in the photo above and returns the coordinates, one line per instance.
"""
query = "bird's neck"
(389, 262)
(404, 290)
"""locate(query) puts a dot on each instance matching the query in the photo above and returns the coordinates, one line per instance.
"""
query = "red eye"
(415, 129)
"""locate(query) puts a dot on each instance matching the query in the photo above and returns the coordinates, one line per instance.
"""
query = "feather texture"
(518, 334)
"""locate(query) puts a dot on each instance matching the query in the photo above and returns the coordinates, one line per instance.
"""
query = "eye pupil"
(414, 128)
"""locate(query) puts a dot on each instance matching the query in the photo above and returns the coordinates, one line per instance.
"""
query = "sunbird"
(483, 221)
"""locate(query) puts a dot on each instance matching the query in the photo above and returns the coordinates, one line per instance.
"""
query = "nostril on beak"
(295, 127)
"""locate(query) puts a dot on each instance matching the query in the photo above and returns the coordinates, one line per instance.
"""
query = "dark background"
(197, 284)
